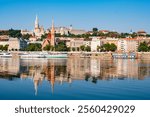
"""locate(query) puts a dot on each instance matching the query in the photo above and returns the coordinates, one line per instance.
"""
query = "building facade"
(127, 45)
(76, 43)
(94, 44)
(4, 40)
(16, 44)
(50, 40)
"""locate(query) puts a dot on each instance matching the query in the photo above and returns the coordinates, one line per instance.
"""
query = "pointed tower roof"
(36, 17)
(36, 22)
(53, 28)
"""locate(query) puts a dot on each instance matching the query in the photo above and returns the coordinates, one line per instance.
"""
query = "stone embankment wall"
(144, 55)
(107, 55)
(104, 55)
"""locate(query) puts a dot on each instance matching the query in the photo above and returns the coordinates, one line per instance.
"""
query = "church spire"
(53, 29)
(53, 34)
(36, 22)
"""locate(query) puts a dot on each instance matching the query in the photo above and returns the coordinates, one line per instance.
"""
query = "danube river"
(74, 79)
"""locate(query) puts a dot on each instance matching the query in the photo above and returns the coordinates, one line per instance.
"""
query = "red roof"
(104, 31)
(130, 38)
(141, 31)
(49, 36)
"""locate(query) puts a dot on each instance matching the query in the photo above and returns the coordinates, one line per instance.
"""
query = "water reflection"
(67, 70)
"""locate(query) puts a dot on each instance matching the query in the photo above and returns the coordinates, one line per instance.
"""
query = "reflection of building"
(67, 70)
(127, 68)
(37, 78)
(95, 67)
(10, 66)
(50, 74)
(79, 67)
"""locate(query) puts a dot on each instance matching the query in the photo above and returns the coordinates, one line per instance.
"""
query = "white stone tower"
(36, 23)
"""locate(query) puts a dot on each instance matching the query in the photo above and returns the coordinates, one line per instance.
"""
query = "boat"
(5, 55)
(31, 55)
(56, 55)
(124, 55)
(42, 55)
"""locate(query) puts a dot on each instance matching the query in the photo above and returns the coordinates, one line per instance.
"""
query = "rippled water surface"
(90, 79)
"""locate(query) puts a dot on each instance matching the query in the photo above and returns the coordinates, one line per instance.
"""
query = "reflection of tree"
(60, 69)
(8, 76)
(87, 76)
(94, 80)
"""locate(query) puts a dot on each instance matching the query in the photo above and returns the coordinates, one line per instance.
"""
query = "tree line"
(144, 47)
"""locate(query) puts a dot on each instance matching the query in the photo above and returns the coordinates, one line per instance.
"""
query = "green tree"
(15, 33)
(88, 48)
(26, 36)
(43, 37)
(34, 47)
(1, 47)
(108, 47)
(61, 46)
(5, 47)
(73, 49)
(95, 32)
(82, 48)
(95, 29)
(143, 47)
(133, 35)
(47, 48)
(98, 48)
(78, 49)
(148, 35)
(113, 47)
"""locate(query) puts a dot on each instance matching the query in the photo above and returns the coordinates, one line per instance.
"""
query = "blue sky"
(118, 15)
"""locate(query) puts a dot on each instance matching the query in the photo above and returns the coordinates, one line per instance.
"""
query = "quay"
(99, 55)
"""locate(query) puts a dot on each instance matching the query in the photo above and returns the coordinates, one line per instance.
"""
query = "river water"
(74, 79)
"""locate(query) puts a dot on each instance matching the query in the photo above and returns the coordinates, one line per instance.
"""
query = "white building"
(78, 42)
(4, 43)
(16, 44)
(4, 40)
(24, 32)
(77, 32)
(94, 43)
(127, 45)
(71, 30)
(62, 30)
